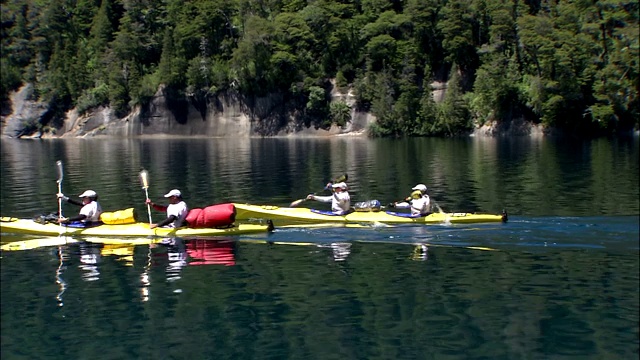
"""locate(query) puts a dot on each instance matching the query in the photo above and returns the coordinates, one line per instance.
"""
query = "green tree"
(381, 51)
(453, 114)
(172, 67)
(426, 35)
(251, 60)
(495, 93)
(382, 105)
(456, 26)
(102, 28)
(340, 113)
(317, 103)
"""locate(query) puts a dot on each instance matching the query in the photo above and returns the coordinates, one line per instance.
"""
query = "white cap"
(421, 187)
(174, 192)
(340, 185)
(89, 193)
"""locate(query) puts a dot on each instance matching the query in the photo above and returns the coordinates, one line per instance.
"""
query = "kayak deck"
(28, 226)
(284, 215)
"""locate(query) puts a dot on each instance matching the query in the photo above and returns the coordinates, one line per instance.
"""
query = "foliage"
(572, 65)
(10, 75)
(317, 100)
(91, 98)
(340, 113)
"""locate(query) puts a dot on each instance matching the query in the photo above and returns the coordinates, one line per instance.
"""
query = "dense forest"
(566, 64)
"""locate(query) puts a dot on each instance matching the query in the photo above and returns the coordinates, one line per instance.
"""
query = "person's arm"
(165, 222)
(402, 205)
(69, 200)
(76, 218)
(71, 219)
(156, 206)
(325, 199)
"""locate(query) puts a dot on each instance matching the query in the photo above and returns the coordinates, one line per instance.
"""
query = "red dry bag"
(212, 216)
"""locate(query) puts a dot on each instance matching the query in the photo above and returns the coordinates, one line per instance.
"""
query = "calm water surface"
(558, 281)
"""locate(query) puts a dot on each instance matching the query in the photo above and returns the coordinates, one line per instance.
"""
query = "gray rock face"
(25, 115)
(224, 115)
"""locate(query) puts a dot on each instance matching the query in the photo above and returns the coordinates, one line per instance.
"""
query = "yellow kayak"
(284, 215)
(28, 226)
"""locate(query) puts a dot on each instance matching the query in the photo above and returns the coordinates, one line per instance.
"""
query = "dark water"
(558, 281)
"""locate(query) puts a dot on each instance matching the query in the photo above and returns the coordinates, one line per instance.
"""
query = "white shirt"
(179, 210)
(419, 207)
(92, 211)
(340, 201)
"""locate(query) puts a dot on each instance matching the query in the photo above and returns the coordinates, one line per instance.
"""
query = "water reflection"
(423, 292)
(62, 284)
(420, 252)
(145, 281)
(171, 254)
(90, 259)
(176, 256)
(216, 251)
(340, 250)
(122, 252)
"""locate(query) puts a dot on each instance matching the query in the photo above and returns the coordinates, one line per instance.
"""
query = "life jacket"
(212, 216)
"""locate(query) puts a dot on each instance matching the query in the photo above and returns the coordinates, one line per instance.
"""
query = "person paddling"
(418, 202)
(177, 210)
(340, 199)
(90, 211)
(340, 179)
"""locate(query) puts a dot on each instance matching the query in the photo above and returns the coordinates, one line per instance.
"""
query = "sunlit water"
(558, 281)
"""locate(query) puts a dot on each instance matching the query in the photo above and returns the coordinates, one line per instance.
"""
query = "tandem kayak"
(284, 215)
(28, 226)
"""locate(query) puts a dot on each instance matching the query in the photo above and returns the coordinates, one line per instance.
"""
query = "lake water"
(559, 280)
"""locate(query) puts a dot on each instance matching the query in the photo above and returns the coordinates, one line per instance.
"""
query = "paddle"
(299, 201)
(341, 178)
(59, 181)
(144, 179)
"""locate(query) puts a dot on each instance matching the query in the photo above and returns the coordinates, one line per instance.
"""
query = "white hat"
(340, 185)
(88, 193)
(174, 192)
(421, 187)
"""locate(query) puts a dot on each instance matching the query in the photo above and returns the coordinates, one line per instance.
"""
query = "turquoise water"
(558, 281)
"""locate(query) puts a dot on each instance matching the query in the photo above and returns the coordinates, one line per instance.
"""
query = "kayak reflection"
(219, 251)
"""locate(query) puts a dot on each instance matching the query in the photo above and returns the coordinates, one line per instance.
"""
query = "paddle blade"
(60, 172)
(144, 179)
(341, 178)
(297, 202)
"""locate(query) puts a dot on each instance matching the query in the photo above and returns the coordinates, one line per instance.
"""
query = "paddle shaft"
(59, 181)
(145, 185)
(146, 193)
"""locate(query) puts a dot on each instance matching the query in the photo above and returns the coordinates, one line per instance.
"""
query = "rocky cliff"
(212, 116)
(223, 115)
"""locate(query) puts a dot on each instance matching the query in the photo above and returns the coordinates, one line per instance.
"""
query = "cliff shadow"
(178, 105)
